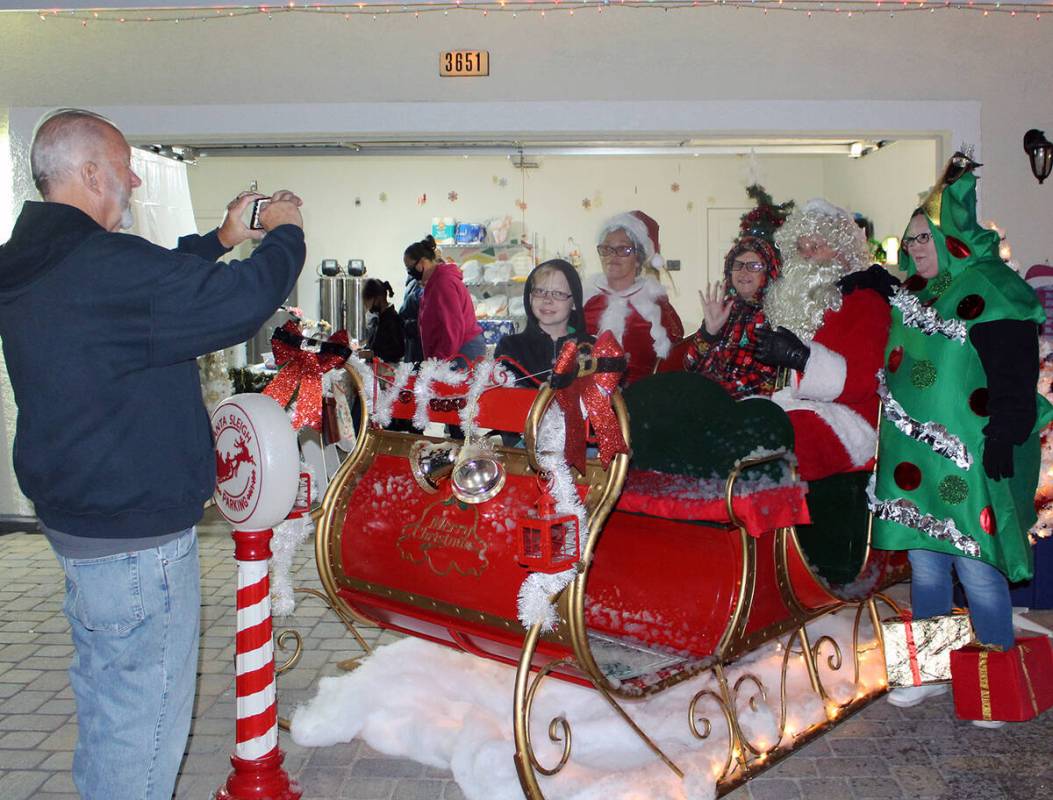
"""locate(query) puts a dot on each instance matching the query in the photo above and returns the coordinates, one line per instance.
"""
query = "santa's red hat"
(643, 229)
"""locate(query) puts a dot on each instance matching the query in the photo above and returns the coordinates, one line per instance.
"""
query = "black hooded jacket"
(533, 349)
(100, 332)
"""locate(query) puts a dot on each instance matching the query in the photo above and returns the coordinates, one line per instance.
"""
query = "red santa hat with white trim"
(644, 230)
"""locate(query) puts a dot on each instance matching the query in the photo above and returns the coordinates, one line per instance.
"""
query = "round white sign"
(257, 461)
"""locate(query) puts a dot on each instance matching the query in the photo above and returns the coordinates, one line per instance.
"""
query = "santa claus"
(632, 306)
(830, 321)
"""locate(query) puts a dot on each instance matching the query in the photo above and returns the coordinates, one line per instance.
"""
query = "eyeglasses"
(607, 252)
(749, 266)
(921, 238)
(541, 294)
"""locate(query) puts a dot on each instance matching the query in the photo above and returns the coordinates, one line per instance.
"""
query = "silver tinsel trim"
(936, 436)
(927, 320)
(907, 514)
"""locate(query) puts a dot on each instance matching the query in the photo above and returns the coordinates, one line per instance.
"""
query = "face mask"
(415, 272)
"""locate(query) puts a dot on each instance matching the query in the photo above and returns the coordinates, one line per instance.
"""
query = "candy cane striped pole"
(257, 761)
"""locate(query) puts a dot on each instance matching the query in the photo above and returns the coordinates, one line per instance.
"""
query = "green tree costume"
(941, 403)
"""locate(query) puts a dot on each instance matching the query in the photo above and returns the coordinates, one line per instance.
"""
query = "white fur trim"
(824, 375)
(643, 297)
(852, 430)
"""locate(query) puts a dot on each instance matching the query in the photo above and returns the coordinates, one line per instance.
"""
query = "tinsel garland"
(907, 514)
(287, 538)
(936, 436)
(432, 371)
(386, 395)
(925, 318)
(365, 375)
(536, 593)
(482, 373)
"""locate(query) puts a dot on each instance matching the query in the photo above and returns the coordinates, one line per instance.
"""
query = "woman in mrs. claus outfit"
(635, 308)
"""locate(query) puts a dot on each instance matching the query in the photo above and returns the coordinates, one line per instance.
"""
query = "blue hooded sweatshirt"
(100, 333)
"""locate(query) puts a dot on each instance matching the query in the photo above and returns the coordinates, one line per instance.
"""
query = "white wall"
(707, 69)
(885, 185)
(345, 217)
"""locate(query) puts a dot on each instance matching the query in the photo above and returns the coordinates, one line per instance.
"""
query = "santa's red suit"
(641, 318)
(833, 403)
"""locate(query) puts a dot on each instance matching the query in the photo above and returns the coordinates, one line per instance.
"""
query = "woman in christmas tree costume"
(635, 308)
(723, 347)
(959, 440)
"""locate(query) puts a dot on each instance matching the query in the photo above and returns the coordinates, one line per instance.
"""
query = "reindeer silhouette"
(227, 465)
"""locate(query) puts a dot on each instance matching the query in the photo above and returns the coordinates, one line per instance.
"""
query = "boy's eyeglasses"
(541, 294)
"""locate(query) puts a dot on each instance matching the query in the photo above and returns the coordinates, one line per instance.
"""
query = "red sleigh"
(684, 569)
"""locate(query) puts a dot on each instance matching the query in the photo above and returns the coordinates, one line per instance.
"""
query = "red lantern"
(547, 542)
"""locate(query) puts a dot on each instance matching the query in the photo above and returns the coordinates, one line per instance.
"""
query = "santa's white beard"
(801, 295)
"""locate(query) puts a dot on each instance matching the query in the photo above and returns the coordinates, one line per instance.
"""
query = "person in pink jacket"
(447, 316)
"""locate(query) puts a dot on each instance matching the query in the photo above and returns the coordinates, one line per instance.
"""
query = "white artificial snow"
(450, 710)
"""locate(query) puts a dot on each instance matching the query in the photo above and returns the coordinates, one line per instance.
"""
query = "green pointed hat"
(950, 209)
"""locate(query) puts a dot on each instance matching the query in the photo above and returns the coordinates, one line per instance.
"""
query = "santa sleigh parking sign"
(257, 464)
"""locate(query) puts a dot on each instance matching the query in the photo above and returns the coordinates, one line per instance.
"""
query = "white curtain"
(161, 206)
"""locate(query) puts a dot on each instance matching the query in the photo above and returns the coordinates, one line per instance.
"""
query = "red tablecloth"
(760, 509)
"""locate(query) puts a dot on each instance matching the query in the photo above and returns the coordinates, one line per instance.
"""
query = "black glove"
(781, 348)
(877, 278)
(998, 458)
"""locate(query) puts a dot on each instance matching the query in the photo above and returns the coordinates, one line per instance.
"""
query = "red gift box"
(1012, 685)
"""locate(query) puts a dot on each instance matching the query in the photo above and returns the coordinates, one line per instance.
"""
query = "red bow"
(592, 388)
(304, 361)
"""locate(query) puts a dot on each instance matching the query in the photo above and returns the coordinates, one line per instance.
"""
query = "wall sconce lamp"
(1040, 152)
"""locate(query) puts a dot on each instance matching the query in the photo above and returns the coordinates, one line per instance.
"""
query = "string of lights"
(847, 8)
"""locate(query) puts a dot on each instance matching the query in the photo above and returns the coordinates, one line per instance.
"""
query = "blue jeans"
(985, 587)
(135, 621)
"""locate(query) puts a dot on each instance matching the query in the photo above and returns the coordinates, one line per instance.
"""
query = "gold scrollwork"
(557, 726)
(694, 718)
(294, 659)
(762, 692)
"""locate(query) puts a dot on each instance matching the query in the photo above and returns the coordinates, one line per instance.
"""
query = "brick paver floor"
(882, 752)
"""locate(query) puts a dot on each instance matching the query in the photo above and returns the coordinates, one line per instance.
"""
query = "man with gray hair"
(113, 445)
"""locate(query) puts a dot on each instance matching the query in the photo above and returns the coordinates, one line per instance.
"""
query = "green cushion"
(686, 424)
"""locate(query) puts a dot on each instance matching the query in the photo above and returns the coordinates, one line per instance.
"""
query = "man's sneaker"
(908, 696)
(988, 723)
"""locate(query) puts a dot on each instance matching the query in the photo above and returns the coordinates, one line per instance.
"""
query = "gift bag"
(918, 651)
(1008, 685)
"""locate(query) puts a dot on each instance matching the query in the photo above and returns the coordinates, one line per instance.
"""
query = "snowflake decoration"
(675, 187)
(383, 197)
(452, 197)
(521, 205)
(586, 204)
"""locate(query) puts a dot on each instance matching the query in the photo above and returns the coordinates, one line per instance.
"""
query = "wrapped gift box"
(919, 651)
(1012, 685)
